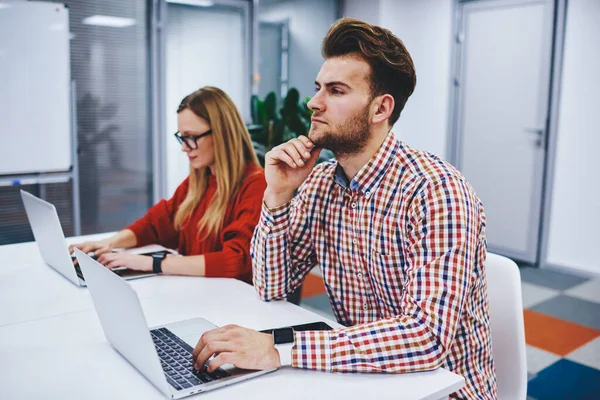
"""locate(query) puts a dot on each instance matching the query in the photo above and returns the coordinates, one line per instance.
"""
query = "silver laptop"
(162, 354)
(50, 239)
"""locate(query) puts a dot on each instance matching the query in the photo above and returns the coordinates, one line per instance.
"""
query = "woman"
(211, 217)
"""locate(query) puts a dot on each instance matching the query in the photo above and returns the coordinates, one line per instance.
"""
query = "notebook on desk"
(162, 354)
(53, 247)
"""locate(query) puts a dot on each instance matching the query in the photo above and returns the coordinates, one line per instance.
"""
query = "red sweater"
(228, 254)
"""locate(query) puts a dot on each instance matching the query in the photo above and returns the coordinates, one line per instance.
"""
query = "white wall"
(368, 11)
(575, 211)
(309, 21)
(425, 27)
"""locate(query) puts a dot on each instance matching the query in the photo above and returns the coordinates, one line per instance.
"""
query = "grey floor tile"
(538, 359)
(572, 309)
(535, 294)
(588, 354)
(319, 304)
(550, 279)
(589, 290)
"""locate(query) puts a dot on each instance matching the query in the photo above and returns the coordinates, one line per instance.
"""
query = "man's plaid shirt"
(402, 249)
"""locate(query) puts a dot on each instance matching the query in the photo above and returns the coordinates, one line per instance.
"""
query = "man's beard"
(347, 138)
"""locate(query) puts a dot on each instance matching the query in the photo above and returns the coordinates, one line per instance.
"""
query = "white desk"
(52, 345)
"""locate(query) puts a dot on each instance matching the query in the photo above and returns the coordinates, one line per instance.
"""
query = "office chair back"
(508, 329)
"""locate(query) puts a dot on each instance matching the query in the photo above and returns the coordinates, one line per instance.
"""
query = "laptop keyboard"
(80, 274)
(176, 360)
(78, 271)
(119, 272)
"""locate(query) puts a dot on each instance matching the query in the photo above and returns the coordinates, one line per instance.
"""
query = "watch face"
(283, 335)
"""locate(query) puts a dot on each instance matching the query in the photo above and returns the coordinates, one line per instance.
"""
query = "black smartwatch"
(283, 338)
(157, 259)
(283, 335)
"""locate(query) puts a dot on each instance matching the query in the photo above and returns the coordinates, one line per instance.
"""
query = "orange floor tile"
(555, 335)
(313, 285)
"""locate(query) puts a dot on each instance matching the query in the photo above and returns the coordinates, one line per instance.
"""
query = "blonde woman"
(211, 217)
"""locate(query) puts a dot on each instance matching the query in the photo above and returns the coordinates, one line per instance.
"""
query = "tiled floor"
(562, 330)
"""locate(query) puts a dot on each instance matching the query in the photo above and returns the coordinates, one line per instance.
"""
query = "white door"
(269, 35)
(504, 53)
(205, 46)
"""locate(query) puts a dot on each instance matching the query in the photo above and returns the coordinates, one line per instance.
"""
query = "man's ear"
(385, 106)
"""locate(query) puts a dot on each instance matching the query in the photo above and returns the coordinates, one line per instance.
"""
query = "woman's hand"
(130, 261)
(97, 247)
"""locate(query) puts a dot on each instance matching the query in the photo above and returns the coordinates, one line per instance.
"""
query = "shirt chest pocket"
(384, 240)
(387, 270)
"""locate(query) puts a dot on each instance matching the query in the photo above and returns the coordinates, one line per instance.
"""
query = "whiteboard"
(35, 117)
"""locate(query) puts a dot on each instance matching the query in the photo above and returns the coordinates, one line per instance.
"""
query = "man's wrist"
(283, 339)
(276, 199)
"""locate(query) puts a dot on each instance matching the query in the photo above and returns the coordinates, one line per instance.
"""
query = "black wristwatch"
(283, 335)
(283, 338)
(157, 259)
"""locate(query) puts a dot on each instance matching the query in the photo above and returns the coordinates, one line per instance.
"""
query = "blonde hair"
(233, 151)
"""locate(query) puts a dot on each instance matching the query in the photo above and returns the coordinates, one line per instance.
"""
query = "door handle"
(539, 132)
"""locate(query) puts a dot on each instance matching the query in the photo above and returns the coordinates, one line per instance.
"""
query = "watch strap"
(157, 260)
(285, 353)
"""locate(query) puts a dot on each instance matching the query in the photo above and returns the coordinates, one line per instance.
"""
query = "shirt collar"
(369, 176)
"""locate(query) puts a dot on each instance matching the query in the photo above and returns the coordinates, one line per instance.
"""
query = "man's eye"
(335, 91)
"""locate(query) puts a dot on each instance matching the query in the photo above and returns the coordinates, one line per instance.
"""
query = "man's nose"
(316, 102)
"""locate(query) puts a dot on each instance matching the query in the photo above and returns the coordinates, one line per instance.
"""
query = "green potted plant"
(270, 128)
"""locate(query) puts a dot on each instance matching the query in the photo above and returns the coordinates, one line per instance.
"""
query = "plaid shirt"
(402, 248)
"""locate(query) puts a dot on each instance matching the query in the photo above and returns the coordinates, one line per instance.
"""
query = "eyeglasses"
(191, 141)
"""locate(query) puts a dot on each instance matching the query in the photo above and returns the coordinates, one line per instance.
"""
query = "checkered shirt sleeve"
(281, 250)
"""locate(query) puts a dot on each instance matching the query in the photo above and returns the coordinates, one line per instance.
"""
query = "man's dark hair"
(392, 68)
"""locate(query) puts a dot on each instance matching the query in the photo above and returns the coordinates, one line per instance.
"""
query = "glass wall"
(110, 67)
(109, 64)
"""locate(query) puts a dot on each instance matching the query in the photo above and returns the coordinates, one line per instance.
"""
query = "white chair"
(508, 330)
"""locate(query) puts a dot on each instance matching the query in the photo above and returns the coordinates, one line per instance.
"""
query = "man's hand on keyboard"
(232, 344)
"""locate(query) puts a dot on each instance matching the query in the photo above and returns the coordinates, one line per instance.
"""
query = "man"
(399, 234)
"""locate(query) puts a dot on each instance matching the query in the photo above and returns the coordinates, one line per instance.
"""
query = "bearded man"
(398, 234)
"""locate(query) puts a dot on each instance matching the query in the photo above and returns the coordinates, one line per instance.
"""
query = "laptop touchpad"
(190, 330)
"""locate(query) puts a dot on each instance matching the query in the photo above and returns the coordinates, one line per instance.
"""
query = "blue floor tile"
(549, 279)
(565, 380)
(572, 309)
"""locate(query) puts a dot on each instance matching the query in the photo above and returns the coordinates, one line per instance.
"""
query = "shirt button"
(355, 241)
(365, 306)
(353, 205)
(368, 193)
(360, 275)
(269, 224)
